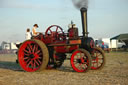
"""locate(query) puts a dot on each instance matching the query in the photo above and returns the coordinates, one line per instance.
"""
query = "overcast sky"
(106, 18)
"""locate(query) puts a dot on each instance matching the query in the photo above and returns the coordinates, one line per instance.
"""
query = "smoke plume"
(80, 3)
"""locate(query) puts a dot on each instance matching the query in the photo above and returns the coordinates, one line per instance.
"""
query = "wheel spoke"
(56, 28)
(50, 31)
(77, 56)
(26, 54)
(100, 62)
(30, 46)
(37, 52)
(29, 49)
(29, 63)
(100, 58)
(36, 48)
(36, 62)
(85, 65)
(40, 54)
(98, 54)
(79, 66)
(25, 51)
(75, 61)
(32, 64)
(97, 64)
(39, 61)
(33, 49)
(26, 58)
(80, 55)
(39, 58)
(93, 63)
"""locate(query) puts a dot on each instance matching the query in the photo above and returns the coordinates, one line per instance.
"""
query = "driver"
(34, 33)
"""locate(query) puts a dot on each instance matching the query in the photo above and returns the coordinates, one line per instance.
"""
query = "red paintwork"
(56, 35)
(55, 38)
(30, 64)
(83, 63)
(96, 62)
(65, 49)
(71, 33)
(61, 43)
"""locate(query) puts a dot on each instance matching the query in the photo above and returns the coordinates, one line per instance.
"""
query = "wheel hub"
(31, 56)
(82, 60)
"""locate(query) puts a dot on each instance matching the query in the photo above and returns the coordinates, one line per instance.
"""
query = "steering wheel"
(55, 32)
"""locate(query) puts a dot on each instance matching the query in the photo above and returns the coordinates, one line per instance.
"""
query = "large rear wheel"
(33, 55)
(81, 60)
(98, 59)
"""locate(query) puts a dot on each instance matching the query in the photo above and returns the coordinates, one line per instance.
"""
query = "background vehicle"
(104, 46)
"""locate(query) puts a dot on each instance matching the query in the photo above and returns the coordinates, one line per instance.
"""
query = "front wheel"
(98, 59)
(81, 60)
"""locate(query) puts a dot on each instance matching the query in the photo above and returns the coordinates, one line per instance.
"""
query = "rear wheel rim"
(30, 56)
(97, 59)
(79, 61)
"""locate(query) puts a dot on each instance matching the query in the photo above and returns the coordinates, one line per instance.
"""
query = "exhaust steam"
(80, 3)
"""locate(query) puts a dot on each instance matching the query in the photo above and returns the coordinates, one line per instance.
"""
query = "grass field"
(115, 72)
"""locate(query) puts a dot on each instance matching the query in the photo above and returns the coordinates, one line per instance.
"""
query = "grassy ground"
(115, 72)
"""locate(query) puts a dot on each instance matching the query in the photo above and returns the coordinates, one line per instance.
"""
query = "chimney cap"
(83, 9)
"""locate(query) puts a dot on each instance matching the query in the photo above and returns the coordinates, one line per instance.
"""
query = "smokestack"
(84, 21)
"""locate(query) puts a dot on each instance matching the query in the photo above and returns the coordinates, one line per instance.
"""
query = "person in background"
(96, 43)
(102, 45)
(34, 33)
(28, 34)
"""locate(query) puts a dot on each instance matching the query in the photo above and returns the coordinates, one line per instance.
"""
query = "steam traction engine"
(50, 49)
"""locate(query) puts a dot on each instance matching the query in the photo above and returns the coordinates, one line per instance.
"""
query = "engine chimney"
(84, 21)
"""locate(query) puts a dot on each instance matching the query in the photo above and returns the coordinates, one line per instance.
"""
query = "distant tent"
(121, 37)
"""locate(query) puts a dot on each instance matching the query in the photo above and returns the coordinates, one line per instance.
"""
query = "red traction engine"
(50, 49)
